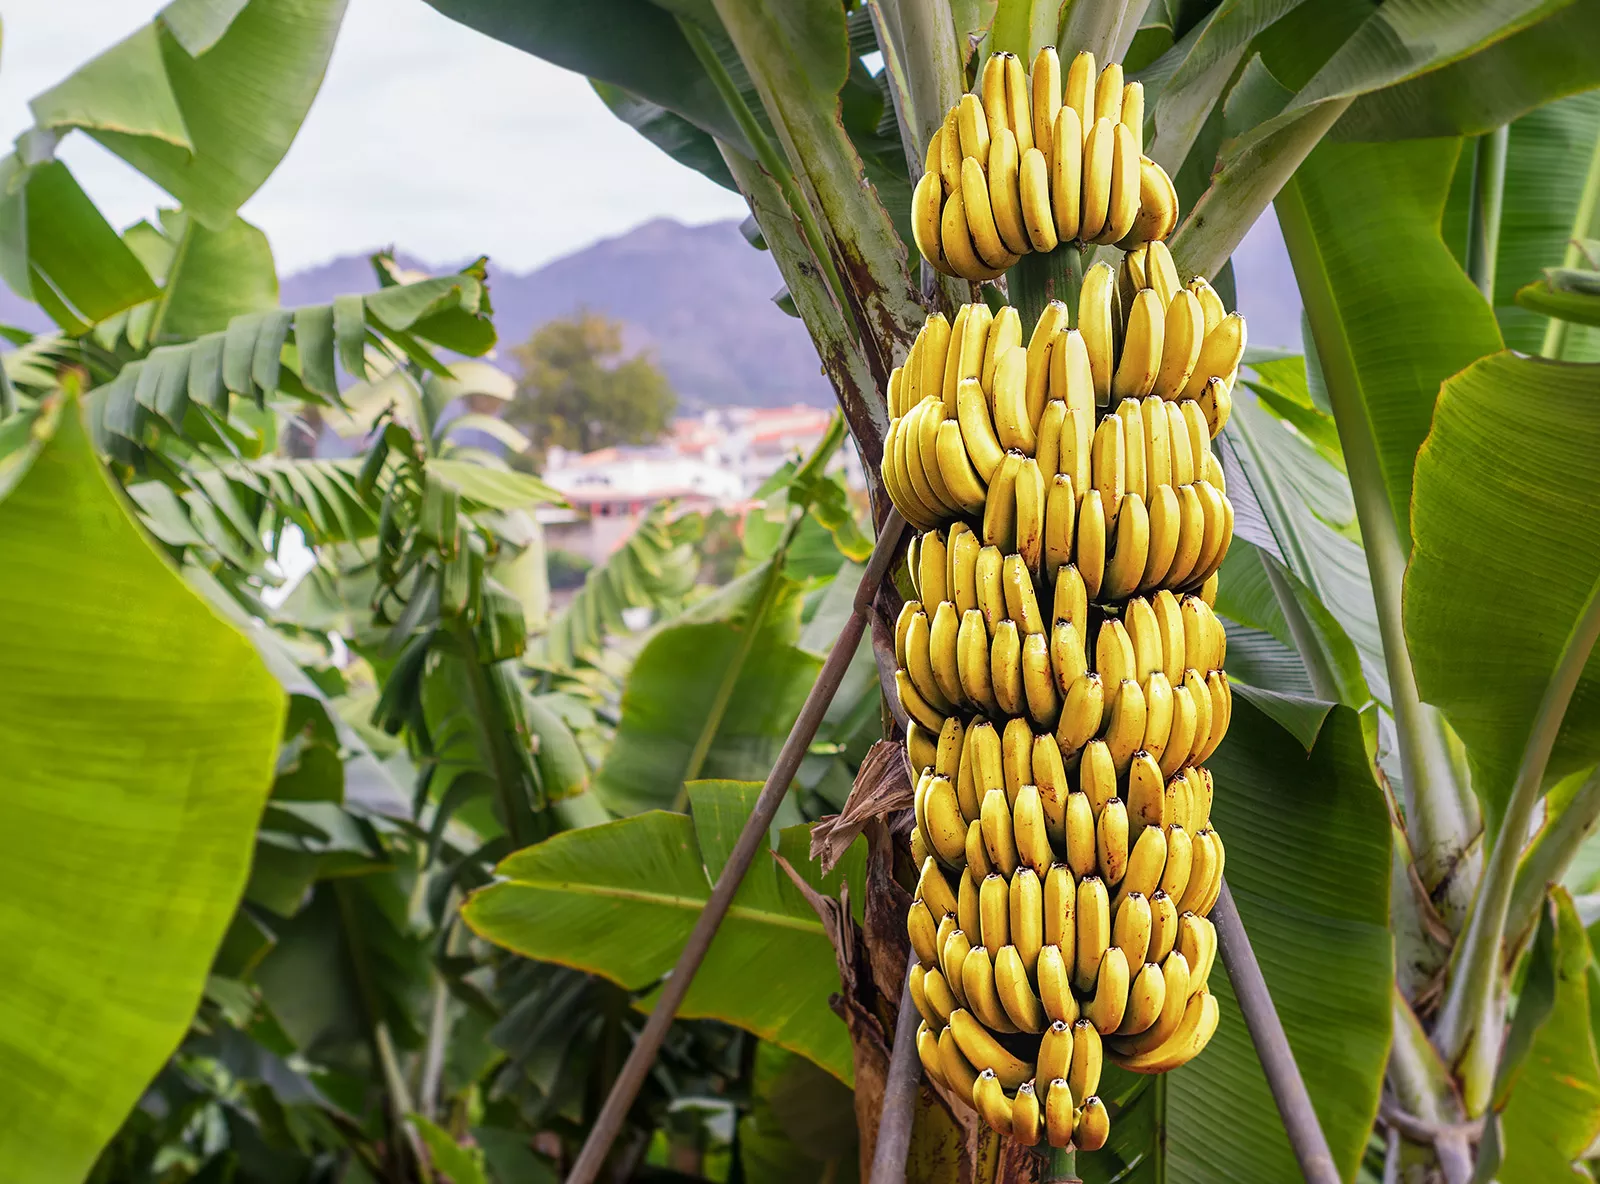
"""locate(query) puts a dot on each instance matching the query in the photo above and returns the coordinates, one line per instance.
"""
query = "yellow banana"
(1180, 855)
(1080, 88)
(1097, 775)
(1125, 566)
(1033, 846)
(991, 586)
(938, 994)
(1027, 1117)
(1030, 521)
(1199, 1024)
(928, 1054)
(1210, 302)
(1166, 523)
(915, 705)
(1016, 756)
(1091, 548)
(1122, 209)
(972, 661)
(980, 1047)
(1055, 1054)
(1146, 793)
(952, 960)
(1201, 792)
(1145, 863)
(980, 217)
(1163, 927)
(1158, 206)
(1072, 374)
(947, 831)
(1161, 273)
(1109, 1002)
(1114, 657)
(921, 748)
(1200, 696)
(1094, 931)
(1110, 463)
(999, 841)
(1197, 941)
(1181, 739)
(1060, 518)
(1142, 346)
(1088, 1059)
(923, 455)
(1019, 115)
(1081, 839)
(1214, 516)
(1221, 713)
(911, 382)
(950, 150)
(973, 126)
(1005, 198)
(1220, 354)
(1111, 842)
(1214, 887)
(958, 1073)
(977, 976)
(1131, 929)
(1099, 160)
(1005, 334)
(991, 1103)
(944, 658)
(1176, 990)
(1010, 401)
(1059, 1115)
(1132, 416)
(1169, 616)
(977, 854)
(1183, 334)
(935, 357)
(934, 890)
(1144, 633)
(1054, 973)
(1005, 668)
(1050, 779)
(1033, 192)
(992, 94)
(1179, 799)
(1068, 661)
(1157, 443)
(955, 238)
(962, 556)
(1045, 81)
(1203, 861)
(1202, 635)
(1108, 93)
(1022, 603)
(1027, 913)
(994, 912)
(968, 332)
(1132, 115)
(969, 913)
(1082, 713)
(919, 847)
(921, 928)
(1070, 600)
(1058, 907)
(1147, 994)
(1066, 174)
(920, 667)
(1044, 702)
(926, 201)
(1191, 535)
(1021, 1005)
(977, 430)
(1216, 404)
(1182, 443)
(965, 487)
(1091, 1125)
(1097, 325)
(1000, 508)
(987, 760)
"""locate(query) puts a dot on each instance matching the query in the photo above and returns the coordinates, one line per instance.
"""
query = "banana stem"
(1094, 25)
(1483, 214)
(1037, 279)
(1546, 860)
(676, 986)
(1272, 1045)
(1062, 1168)
(1465, 1034)
(1585, 224)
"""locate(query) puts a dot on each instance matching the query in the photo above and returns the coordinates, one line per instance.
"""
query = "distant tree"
(577, 391)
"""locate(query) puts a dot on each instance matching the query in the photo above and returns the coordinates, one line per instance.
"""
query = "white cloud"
(426, 135)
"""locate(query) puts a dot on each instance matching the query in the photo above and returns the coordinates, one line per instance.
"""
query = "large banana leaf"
(208, 127)
(1507, 548)
(1307, 835)
(619, 900)
(1391, 311)
(139, 731)
(1553, 1114)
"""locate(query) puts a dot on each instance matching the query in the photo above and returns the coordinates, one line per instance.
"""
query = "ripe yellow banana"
(1033, 185)
(1197, 941)
(1176, 874)
(1030, 493)
(1161, 273)
(1215, 517)
(1000, 508)
(919, 847)
(1016, 756)
(1146, 793)
(1005, 334)
(1045, 105)
(1122, 209)
(999, 840)
(1163, 927)
(988, 574)
(1142, 346)
(911, 381)
(977, 430)
(944, 659)
(1221, 713)
(1097, 775)
(926, 202)
(1094, 931)
(1052, 323)
(1220, 354)
(1146, 996)
(1058, 907)
(1110, 463)
(1200, 696)
(977, 976)
(969, 914)
(938, 994)
(921, 748)
(1114, 657)
(1091, 549)
(1091, 1125)
(1070, 600)
(950, 150)
(1216, 404)
(1132, 415)
(983, 1051)
(1072, 375)
(1180, 740)
(1055, 1054)
(1169, 616)
(1158, 206)
(1099, 157)
(1021, 602)
(923, 455)
(1174, 1002)
(1203, 867)
(1201, 790)
(1005, 668)
(1021, 1005)
(1010, 401)
(958, 1074)
(1044, 701)
(1033, 848)
(920, 927)
(1191, 535)
(1027, 914)
(1050, 779)
(916, 706)
(1054, 974)
(1108, 93)
(1066, 174)
(972, 661)
(1109, 1002)
(961, 553)
(987, 760)
(968, 334)
(1203, 636)
(961, 480)
(955, 240)
(1210, 562)
(946, 830)
(1132, 927)
(1060, 517)
(977, 854)
(1080, 88)
(935, 358)
(1059, 1115)
(1145, 864)
(1157, 443)
(1005, 198)
(1144, 633)
(1027, 1117)
(953, 953)
(1111, 842)
(1018, 108)
(1166, 522)
(1081, 839)
(919, 666)
(1180, 802)
(934, 890)
(1199, 1024)
(928, 1054)
(1068, 661)
(1183, 443)
(1082, 713)
(973, 125)
(1088, 1059)
(1132, 116)
(1183, 334)
(994, 912)
(981, 223)
(1125, 566)
(1097, 324)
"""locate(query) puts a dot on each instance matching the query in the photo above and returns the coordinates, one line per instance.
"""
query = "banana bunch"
(1023, 166)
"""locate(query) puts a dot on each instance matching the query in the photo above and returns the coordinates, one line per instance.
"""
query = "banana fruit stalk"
(1032, 161)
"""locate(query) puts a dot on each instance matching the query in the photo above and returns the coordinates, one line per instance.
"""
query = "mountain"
(699, 299)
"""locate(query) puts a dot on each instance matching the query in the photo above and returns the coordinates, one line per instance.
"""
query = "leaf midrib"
(675, 900)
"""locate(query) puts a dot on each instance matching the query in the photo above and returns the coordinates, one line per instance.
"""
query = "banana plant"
(1412, 154)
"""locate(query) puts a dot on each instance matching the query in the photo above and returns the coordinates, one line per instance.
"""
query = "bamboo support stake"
(899, 1095)
(623, 1091)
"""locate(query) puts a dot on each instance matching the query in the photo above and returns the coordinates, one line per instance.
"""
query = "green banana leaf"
(668, 131)
(801, 1128)
(218, 274)
(1507, 548)
(1390, 310)
(207, 127)
(1543, 297)
(139, 732)
(619, 900)
(1553, 1114)
(1307, 838)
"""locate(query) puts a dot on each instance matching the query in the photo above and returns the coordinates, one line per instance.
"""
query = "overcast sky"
(426, 135)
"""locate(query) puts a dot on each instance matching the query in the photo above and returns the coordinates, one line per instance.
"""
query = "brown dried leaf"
(882, 786)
